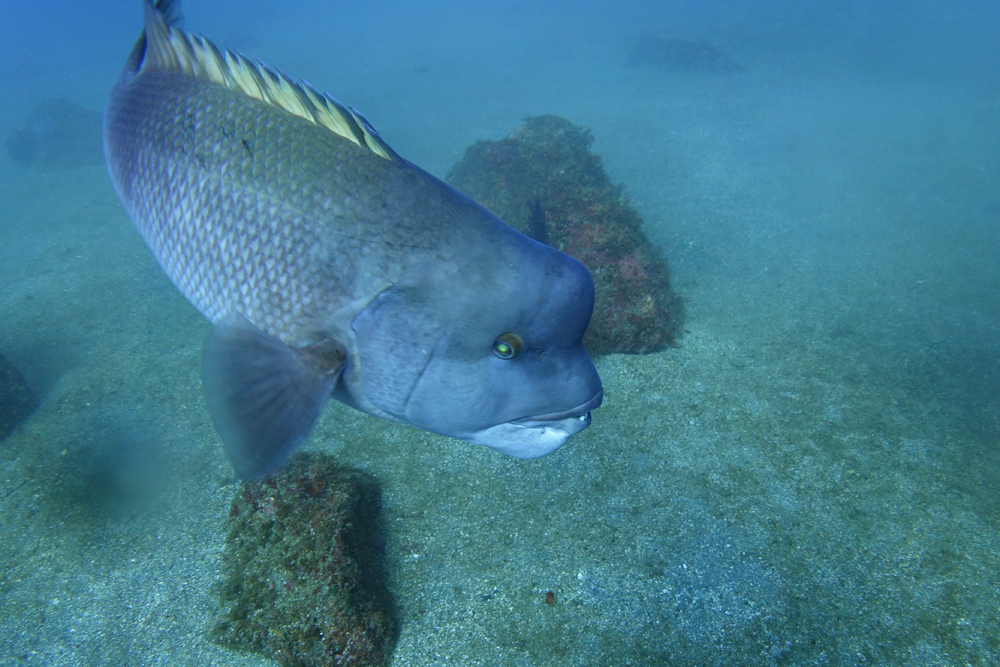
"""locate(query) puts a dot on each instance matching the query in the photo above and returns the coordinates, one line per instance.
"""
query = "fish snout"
(579, 412)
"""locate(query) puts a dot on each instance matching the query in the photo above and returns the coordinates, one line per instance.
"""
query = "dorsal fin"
(171, 12)
(169, 47)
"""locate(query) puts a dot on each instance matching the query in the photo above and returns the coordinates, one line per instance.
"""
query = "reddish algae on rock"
(544, 181)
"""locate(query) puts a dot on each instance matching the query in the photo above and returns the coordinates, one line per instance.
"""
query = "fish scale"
(208, 232)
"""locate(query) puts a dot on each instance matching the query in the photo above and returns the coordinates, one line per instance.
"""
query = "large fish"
(330, 266)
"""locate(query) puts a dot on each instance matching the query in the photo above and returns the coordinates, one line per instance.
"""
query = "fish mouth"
(580, 412)
(538, 435)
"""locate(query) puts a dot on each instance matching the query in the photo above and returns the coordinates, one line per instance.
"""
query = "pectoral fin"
(263, 395)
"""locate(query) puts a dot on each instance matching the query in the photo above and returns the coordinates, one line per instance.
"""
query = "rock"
(544, 181)
(17, 401)
(303, 583)
(57, 135)
(680, 55)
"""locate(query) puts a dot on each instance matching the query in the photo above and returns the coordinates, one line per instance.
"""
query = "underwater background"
(810, 477)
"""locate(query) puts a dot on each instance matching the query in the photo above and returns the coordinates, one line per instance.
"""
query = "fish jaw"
(535, 437)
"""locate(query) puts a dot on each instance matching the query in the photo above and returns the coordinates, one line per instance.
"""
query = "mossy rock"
(680, 55)
(303, 581)
(544, 181)
(17, 401)
(57, 135)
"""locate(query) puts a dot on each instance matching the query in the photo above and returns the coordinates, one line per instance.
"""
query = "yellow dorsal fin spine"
(169, 47)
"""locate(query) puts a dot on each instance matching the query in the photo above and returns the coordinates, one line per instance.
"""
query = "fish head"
(493, 354)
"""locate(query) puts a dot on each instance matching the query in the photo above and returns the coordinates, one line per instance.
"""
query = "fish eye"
(508, 345)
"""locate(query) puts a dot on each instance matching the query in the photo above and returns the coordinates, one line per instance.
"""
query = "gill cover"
(396, 337)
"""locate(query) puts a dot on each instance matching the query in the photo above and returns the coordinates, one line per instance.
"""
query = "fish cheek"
(460, 395)
(396, 337)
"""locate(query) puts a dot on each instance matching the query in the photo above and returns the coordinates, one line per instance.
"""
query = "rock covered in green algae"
(544, 181)
(57, 135)
(17, 401)
(302, 580)
(680, 55)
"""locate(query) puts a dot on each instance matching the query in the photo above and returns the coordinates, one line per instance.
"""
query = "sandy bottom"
(810, 478)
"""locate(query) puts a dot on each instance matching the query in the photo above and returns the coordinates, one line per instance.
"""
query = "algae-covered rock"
(57, 135)
(544, 181)
(302, 580)
(17, 401)
(680, 55)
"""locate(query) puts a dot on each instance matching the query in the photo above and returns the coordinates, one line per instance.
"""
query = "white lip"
(531, 440)
(533, 437)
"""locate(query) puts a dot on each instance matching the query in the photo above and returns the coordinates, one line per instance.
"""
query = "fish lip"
(538, 435)
(581, 410)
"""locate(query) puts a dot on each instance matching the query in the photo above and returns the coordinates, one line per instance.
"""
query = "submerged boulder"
(303, 581)
(544, 181)
(57, 135)
(680, 55)
(17, 401)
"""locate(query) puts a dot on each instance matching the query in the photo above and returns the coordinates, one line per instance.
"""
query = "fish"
(331, 267)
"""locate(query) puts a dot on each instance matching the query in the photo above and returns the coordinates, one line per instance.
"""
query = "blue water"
(810, 478)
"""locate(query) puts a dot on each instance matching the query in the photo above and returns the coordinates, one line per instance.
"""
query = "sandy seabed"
(810, 478)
